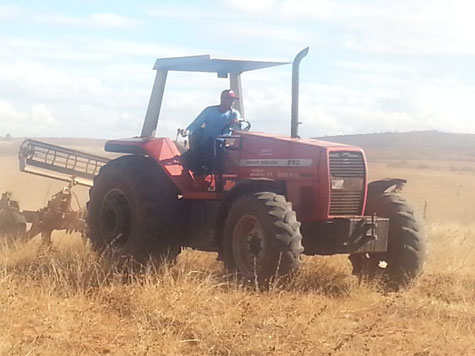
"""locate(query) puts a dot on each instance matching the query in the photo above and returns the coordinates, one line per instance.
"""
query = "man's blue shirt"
(213, 122)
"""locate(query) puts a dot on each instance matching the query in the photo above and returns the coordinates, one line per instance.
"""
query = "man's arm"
(237, 114)
(198, 121)
(234, 123)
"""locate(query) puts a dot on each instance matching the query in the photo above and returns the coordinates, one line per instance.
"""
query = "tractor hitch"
(346, 235)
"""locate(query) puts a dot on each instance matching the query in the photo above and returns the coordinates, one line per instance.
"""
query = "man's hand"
(183, 132)
(240, 125)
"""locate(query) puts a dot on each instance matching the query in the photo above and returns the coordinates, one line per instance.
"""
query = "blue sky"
(84, 68)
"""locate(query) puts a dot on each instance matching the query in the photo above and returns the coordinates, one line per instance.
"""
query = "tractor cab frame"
(224, 68)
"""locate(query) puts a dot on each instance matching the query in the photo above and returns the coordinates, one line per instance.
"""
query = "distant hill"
(417, 145)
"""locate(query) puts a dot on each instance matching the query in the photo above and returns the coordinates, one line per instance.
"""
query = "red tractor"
(269, 200)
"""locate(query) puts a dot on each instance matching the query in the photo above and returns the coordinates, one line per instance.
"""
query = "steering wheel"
(247, 123)
(229, 127)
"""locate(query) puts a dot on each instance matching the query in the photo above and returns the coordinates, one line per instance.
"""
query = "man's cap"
(228, 94)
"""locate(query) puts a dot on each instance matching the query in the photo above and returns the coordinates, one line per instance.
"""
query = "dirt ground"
(64, 301)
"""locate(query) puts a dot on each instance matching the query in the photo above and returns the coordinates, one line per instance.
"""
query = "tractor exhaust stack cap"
(294, 119)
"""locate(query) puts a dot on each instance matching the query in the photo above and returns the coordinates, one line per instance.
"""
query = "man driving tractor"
(212, 122)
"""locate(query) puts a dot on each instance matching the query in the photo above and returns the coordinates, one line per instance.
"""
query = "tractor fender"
(125, 146)
(378, 187)
(243, 187)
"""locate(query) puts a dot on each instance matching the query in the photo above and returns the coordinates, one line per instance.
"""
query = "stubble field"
(65, 302)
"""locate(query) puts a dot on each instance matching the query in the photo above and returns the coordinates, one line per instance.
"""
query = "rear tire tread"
(406, 243)
(158, 225)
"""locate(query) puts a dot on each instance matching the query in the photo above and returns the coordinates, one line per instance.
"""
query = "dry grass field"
(65, 302)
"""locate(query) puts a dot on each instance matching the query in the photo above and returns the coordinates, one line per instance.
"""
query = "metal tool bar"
(42, 159)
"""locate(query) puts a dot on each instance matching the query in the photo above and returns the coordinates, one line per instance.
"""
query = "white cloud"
(87, 50)
(417, 105)
(184, 13)
(10, 12)
(32, 74)
(252, 6)
(102, 20)
(94, 20)
(8, 114)
(112, 21)
(108, 98)
(284, 9)
(41, 114)
(308, 9)
(151, 50)
(355, 107)
(95, 86)
(101, 104)
(379, 67)
(411, 27)
(43, 100)
(26, 121)
(447, 104)
(403, 27)
(418, 26)
(406, 103)
(278, 34)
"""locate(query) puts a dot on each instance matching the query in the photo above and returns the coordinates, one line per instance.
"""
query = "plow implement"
(61, 163)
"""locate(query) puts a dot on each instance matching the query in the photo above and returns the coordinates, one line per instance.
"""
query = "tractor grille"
(347, 164)
(347, 170)
(345, 203)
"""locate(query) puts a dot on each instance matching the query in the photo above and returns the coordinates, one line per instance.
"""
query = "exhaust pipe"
(294, 118)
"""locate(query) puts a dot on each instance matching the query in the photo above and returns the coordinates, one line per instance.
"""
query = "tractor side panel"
(310, 197)
(288, 161)
(229, 155)
(323, 180)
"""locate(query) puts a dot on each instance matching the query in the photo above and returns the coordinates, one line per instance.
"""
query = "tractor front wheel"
(261, 237)
(405, 257)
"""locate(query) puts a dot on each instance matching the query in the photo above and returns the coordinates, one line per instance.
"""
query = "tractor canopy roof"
(205, 63)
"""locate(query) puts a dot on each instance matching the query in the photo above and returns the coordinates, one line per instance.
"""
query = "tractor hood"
(301, 141)
(265, 150)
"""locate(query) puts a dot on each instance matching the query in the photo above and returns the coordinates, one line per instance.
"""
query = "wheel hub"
(249, 244)
(115, 217)
(254, 244)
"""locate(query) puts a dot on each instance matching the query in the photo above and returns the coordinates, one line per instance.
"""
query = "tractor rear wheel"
(134, 211)
(261, 237)
(405, 257)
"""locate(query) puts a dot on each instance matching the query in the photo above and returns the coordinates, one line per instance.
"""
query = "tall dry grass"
(66, 301)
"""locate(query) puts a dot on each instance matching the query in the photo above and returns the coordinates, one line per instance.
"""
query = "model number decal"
(268, 162)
